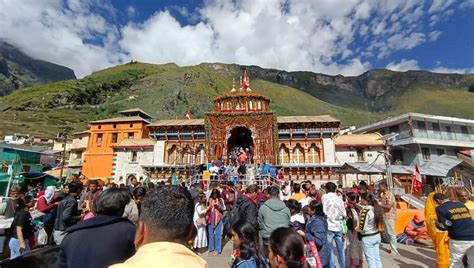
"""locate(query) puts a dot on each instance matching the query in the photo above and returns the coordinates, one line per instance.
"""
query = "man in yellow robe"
(440, 238)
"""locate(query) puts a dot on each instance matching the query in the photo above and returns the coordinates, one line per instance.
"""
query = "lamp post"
(389, 138)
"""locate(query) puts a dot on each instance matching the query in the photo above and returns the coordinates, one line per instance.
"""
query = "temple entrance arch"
(240, 138)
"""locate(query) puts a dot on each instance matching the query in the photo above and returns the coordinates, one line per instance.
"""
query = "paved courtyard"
(411, 257)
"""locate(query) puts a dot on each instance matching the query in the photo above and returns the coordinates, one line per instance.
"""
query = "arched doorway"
(240, 138)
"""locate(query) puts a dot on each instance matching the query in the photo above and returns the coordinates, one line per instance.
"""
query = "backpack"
(229, 219)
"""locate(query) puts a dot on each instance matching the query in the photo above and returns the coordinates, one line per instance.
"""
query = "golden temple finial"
(240, 81)
(233, 85)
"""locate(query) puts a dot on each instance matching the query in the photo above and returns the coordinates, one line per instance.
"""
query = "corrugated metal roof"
(178, 122)
(368, 168)
(371, 139)
(136, 143)
(121, 119)
(439, 167)
(306, 119)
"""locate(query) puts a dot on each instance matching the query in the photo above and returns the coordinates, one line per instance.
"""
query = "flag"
(188, 115)
(417, 183)
(246, 81)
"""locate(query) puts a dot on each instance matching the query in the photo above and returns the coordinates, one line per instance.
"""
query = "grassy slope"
(168, 91)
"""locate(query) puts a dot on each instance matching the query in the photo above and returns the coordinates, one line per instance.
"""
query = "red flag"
(417, 183)
(246, 81)
(188, 115)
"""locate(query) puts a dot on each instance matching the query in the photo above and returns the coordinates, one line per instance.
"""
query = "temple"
(301, 146)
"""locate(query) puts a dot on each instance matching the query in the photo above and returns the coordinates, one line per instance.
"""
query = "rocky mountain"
(18, 70)
(168, 91)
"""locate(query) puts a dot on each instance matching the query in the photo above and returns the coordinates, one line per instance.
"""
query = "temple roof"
(306, 119)
(178, 122)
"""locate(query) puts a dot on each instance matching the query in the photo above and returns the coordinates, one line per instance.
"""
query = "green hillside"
(168, 91)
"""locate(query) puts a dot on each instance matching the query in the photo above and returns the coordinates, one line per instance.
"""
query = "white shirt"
(305, 201)
(334, 209)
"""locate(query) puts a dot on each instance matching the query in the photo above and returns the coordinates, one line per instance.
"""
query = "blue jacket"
(316, 230)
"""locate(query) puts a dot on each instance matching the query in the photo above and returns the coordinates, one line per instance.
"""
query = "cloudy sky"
(329, 36)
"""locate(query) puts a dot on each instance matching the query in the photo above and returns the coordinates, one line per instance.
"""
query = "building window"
(394, 129)
(360, 155)
(464, 130)
(99, 126)
(447, 129)
(421, 125)
(98, 140)
(435, 126)
(131, 125)
(114, 137)
(130, 135)
(425, 152)
(134, 156)
(397, 155)
(115, 125)
(440, 151)
(369, 154)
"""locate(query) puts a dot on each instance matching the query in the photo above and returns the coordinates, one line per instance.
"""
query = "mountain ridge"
(168, 91)
(18, 70)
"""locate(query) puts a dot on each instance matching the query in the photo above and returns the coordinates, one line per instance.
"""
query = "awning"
(439, 167)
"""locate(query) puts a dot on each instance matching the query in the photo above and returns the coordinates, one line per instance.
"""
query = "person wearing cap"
(416, 230)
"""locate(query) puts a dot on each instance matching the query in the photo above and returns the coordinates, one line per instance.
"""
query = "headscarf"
(49, 193)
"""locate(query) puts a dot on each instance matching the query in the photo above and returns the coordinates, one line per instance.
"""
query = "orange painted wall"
(98, 159)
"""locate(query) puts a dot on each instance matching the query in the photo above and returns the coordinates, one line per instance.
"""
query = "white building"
(423, 138)
(365, 150)
(130, 156)
(77, 148)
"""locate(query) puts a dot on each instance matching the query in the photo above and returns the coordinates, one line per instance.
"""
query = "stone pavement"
(411, 257)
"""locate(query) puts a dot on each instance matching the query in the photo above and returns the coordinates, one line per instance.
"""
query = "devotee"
(317, 231)
(106, 239)
(297, 194)
(389, 205)
(248, 206)
(245, 240)
(313, 194)
(48, 205)
(286, 249)
(165, 227)
(21, 227)
(272, 215)
(370, 219)
(297, 220)
(439, 237)
(465, 198)
(199, 219)
(214, 224)
(335, 212)
(68, 213)
(416, 231)
(455, 218)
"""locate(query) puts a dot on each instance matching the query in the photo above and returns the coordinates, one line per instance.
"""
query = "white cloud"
(50, 31)
(441, 69)
(403, 66)
(131, 11)
(292, 35)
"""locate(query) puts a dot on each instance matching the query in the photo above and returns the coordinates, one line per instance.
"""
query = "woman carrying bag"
(316, 236)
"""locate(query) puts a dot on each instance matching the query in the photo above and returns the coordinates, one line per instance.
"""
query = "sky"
(347, 37)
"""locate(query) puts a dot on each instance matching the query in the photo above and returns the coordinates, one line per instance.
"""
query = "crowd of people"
(287, 225)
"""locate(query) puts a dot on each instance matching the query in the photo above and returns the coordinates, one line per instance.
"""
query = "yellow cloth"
(163, 255)
(440, 239)
(470, 205)
(298, 196)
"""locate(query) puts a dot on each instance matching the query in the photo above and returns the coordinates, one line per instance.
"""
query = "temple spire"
(246, 82)
(233, 85)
